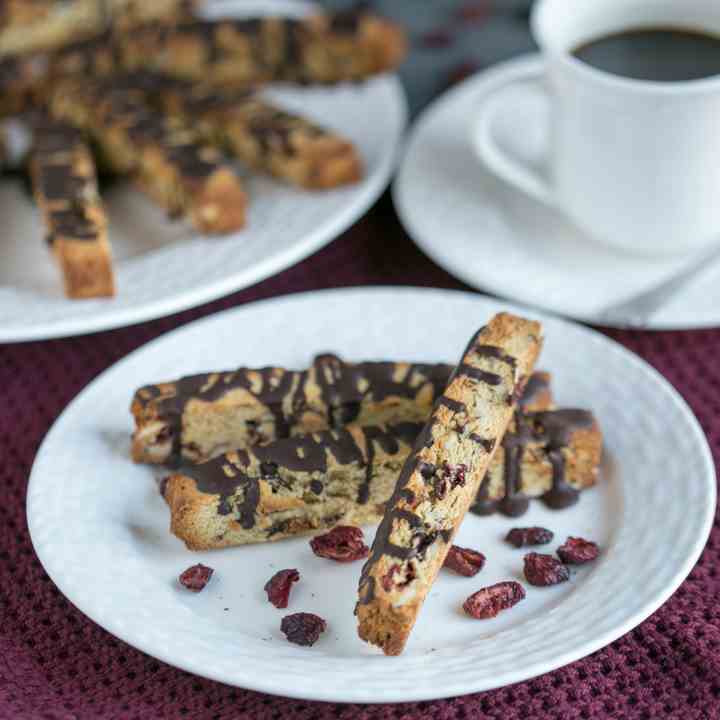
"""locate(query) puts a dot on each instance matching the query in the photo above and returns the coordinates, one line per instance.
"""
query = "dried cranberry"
(464, 561)
(387, 578)
(343, 543)
(520, 537)
(576, 551)
(279, 585)
(455, 474)
(195, 578)
(489, 601)
(544, 570)
(302, 628)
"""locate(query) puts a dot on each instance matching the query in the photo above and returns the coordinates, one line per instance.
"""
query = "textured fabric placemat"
(55, 663)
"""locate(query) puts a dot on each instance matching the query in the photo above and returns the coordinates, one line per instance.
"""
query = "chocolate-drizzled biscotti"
(65, 188)
(126, 15)
(345, 476)
(441, 477)
(265, 137)
(44, 25)
(184, 176)
(196, 418)
(288, 486)
(39, 25)
(347, 46)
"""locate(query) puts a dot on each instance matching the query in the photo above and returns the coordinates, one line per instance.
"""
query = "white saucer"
(163, 267)
(100, 528)
(496, 239)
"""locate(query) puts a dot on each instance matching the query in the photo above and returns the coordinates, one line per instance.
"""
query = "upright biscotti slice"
(199, 417)
(346, 476)
(65, 188)
(265, 137)
(166, 157)
(347, 46)
(441, 477)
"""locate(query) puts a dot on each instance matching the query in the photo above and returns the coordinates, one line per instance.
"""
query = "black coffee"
(656, 54)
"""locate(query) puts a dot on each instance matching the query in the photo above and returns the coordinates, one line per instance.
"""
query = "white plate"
(163, 267)
(100, 527)
(496, 239)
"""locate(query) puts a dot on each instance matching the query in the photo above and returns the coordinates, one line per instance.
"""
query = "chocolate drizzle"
(487, 444)
(455, 405)
(481, 375)
(225, 475)
(551, 429)
(389, 445)
(491, 351)
(537, 384)
(347, 22)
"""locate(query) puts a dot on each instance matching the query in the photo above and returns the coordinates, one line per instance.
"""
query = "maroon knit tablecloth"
(55, 663)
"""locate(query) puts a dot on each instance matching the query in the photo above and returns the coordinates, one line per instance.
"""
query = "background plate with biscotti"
(162, 266)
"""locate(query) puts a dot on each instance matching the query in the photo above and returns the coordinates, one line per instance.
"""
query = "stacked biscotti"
(165, 156)
(354, 426)
(268, 453)
(43, 25)
(170, 100)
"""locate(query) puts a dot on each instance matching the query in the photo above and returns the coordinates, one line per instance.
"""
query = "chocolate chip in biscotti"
(490, 601)
(464, 561)
(195, 578)
(343, 543)
(279, 585)
(303, 628)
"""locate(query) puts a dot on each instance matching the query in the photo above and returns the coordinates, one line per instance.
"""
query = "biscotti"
(196, 418)
(39, 25)
(65, 189)
(346, 476)
(34, 26)
(127, 15)
(289, 486)
(265, 137)
(166, 158)
(441, 478)
(347, 46)
(262, 136)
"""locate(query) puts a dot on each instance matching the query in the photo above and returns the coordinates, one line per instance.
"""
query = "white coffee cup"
(636, 164)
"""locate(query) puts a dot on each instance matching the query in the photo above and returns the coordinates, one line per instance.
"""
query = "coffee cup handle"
(509, 168)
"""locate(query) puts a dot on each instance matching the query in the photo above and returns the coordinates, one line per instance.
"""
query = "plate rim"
(481, 84)
(260, 684)
(367, 192)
